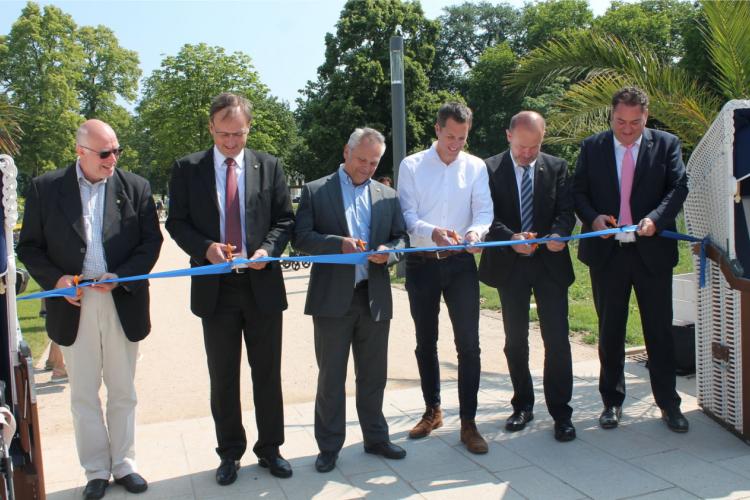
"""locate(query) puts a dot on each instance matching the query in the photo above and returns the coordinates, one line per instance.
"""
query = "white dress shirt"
(220, 171)
(433, 194)
(92, 204)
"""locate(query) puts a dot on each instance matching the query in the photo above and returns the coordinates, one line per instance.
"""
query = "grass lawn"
(32, 326)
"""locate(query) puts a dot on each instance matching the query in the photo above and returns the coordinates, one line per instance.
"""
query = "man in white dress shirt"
(446, 199)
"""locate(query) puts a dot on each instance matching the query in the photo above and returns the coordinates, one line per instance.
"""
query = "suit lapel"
(252, 177)
(608, 150)
(70, 201)
(644, 152)
(207, 175)
(115, 200)
(376, 194)
(337, 201)
(507, 177)
(540, 187)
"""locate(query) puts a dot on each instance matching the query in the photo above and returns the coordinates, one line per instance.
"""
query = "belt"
(438, 255)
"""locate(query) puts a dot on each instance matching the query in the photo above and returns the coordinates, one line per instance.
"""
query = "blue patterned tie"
(527, 200)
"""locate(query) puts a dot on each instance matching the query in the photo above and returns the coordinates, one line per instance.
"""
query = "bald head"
(97, 148)
(525, 136)
(530, 120)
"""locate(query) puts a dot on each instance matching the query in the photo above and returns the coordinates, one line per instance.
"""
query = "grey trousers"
(368, 341)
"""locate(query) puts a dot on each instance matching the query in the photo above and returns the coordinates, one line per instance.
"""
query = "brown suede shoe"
(470, 437)
(431, 420)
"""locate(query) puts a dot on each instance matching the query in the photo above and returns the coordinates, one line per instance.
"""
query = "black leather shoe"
(518, 420)
(564, 430)
(675, 420)
(386, 449)
(95, 489)
(227, 472)
(276, 465)
(610, 417)
(134, 483)
(326, 461)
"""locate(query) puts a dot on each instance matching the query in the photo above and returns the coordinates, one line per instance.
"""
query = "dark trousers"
(611, 285)
(530, 275)
(368, 341)
(455, 278)
(238, 316)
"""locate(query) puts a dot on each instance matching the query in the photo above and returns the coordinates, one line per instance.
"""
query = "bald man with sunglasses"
(93, 221)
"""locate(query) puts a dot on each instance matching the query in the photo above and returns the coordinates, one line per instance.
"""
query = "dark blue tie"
(527, 200)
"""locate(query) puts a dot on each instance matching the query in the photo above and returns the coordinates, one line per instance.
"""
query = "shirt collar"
(219, 158)
(345, 179)
(81, 177)
(637, 142)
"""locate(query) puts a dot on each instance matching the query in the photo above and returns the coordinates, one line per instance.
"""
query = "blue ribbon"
(357, 258)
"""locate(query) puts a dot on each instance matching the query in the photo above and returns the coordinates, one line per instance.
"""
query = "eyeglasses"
(236, 135)
(105, 154)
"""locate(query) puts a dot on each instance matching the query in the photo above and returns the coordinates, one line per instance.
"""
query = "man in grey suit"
(348, 212)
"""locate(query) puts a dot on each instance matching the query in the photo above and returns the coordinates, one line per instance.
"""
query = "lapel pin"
(255, 166)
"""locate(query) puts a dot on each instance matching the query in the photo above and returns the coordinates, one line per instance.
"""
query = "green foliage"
(10, 129)
(492, 104)
(172, 116)
(466, 31)
(728, 41)
(548, 20)
(353, 85)
(57, 74)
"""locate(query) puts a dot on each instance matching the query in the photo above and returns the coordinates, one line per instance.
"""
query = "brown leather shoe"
(431, 420)
(471, 438)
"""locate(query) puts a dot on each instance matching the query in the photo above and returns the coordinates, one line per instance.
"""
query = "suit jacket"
(321, 228)
(193, 222)
(659, 190)
(53, 243)
(553, 213)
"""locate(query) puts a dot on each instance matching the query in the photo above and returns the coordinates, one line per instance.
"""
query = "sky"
(284, 38)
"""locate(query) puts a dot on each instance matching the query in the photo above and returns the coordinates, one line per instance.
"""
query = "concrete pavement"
(175, 436)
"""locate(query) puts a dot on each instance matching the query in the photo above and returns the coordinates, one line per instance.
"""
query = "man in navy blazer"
(231, 200)
(520, 270)
(635, 175)
(94, 220)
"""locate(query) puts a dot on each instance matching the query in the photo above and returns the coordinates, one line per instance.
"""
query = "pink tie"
(232, 221)
(626, 186)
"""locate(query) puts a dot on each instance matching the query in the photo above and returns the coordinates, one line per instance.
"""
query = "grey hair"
(363, 133)
(230, 103)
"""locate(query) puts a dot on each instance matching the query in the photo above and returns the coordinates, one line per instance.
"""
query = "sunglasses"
(105, 154)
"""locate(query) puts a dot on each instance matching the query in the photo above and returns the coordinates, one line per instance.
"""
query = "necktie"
(527, 200)
(232, 221)
(626, 186)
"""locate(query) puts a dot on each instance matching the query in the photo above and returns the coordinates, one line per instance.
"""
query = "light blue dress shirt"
(358, 211)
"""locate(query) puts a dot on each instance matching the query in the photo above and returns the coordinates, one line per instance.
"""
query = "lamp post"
(398, 102)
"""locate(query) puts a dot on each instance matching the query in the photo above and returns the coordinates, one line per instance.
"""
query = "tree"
(172, 116)
(548, 20)
(466, 31)
(10, 130)
(57, 75)
(656, 25)
(492, 104)
(353, 85)
(601, 64)
(109, 70)
(39, 72)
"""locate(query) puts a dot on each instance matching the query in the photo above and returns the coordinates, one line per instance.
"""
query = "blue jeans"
(455, 278)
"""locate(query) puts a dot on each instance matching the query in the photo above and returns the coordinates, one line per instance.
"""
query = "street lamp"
(398, 102)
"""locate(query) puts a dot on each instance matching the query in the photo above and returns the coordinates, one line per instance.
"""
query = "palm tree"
(10, 130)
(600, 64)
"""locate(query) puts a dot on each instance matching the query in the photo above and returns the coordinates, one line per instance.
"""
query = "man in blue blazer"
(530, 188)
(635, 175)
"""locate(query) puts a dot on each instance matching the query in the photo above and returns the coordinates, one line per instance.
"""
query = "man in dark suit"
(635, 174)
(98, 222)
(530, 196)
(351, 306)
(230, 200)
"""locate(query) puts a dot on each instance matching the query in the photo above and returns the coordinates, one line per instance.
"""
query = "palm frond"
(10, 128)
(728, 40)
